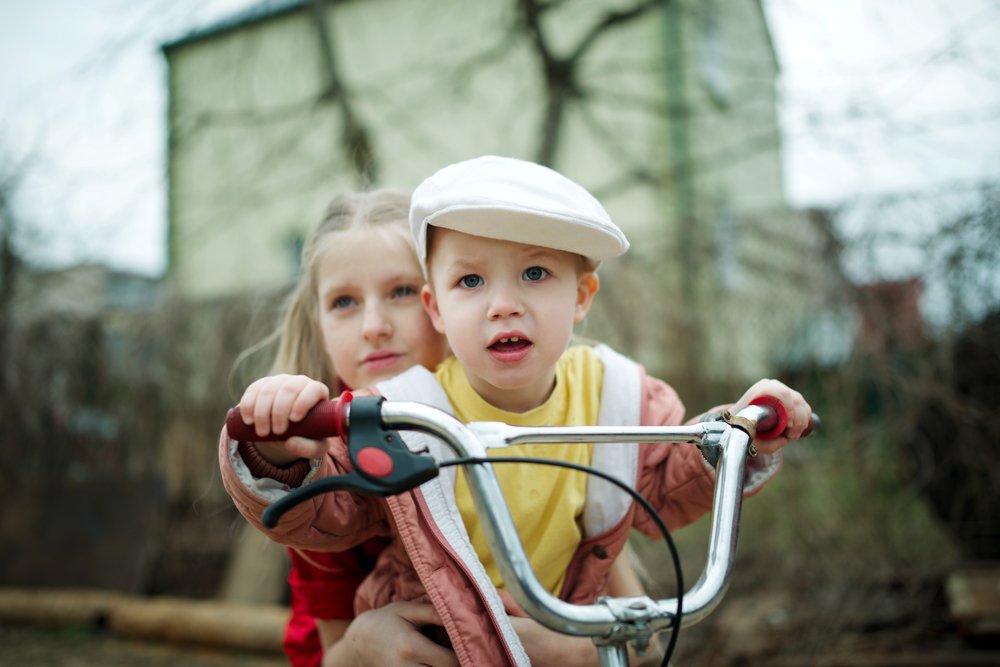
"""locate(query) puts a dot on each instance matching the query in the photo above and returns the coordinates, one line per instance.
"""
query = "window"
(294, 244)
(712, 56)
(726, 234)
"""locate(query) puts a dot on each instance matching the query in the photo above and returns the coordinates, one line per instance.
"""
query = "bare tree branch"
(560, 73)
(355, 141)
(612, 20)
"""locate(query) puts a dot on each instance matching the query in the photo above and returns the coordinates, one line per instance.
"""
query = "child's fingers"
(799, 415)
(262, 411)
(247, 402)
(268, 392)
(770, 446)
(764, 387)
(306, 448)
(272, 402)
(294, 399)
(311, 394)
(804, 423)
(281, 405)
(418, 613)
(255, 405)
(798, 411)
(420, 650)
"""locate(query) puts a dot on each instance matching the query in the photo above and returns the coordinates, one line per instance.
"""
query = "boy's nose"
(505, 303)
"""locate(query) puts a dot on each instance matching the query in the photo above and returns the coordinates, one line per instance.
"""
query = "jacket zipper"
(465, 570)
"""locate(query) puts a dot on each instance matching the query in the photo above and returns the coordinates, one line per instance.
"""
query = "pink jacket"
(431, 559)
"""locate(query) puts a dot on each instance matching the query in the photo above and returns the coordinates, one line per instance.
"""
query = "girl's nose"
(376, 323)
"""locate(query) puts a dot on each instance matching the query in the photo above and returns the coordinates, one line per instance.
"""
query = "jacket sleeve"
(328, 522)
(675, 478)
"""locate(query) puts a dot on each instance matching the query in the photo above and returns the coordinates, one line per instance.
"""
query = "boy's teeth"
(510, 340)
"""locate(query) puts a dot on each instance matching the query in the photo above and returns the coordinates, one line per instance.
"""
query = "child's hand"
(391, 635)
(272, 403)
(799, 412)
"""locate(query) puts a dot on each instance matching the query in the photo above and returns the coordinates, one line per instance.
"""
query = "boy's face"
(508, 311)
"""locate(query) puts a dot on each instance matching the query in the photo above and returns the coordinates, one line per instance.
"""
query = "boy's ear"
(431, 307)
(586, 287)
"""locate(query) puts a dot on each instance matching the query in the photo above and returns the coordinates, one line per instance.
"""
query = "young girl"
(355, 318)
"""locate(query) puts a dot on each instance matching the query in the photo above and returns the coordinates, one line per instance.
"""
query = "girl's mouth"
(377, 361)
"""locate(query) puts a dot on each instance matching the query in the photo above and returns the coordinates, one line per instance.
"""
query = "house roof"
(256, 13)
(267, 9)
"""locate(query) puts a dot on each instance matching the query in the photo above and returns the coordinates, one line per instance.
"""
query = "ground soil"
(23, 645)
(748, 629)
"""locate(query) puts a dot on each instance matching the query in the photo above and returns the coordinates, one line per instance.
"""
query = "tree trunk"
(257, 570)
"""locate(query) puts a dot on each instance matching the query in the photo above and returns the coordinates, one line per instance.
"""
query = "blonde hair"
(300, 341)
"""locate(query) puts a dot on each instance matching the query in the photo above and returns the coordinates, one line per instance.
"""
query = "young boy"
(510, 250)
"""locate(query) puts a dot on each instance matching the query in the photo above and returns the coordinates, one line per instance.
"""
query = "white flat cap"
(514, 200)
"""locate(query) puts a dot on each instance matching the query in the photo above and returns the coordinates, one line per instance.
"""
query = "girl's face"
(374, 325)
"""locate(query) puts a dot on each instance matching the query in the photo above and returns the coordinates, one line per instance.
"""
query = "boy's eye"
(534, 273)
(471, 280)
(404, 290)
(342, 302)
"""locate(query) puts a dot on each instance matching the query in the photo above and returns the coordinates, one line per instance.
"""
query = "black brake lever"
(383, 464)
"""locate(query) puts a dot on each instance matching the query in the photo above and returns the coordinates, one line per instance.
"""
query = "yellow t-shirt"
(546, 502)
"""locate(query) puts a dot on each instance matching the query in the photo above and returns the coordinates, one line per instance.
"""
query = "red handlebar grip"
(774, 426)
(326, 419)
(769, 429)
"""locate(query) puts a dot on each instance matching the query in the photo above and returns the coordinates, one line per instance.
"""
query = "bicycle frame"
(612, 622)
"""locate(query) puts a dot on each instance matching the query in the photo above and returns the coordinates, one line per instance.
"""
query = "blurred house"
(83, 290)
(883, 318)
(669, 117)
(101, 318)
(91, 327)
(891, 320)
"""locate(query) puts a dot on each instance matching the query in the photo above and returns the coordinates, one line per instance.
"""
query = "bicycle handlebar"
(329, 419)
(384, 466)
(325, 420)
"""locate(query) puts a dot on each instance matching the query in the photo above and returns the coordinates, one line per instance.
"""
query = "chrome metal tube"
(498, 526)
(612, 656)
(595, 620)
(727, 505)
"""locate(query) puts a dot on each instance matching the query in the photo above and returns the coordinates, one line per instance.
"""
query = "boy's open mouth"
(510, 344)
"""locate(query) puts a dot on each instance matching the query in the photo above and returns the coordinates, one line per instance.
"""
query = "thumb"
(306, 448)
(418, 613)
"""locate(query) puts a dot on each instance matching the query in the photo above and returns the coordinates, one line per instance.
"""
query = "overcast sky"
(876, 97)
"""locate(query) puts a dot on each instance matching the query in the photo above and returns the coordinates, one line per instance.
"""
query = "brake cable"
(675, 625)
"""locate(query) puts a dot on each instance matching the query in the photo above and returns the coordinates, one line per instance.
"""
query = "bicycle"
(385, 466)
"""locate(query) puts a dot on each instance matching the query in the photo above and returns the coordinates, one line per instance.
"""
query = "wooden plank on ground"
(250, 627)
(974, 599)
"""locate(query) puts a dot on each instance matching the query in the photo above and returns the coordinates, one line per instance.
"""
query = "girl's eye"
(404, 291)
(471, 280)
(342, 302)
(534, 273)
